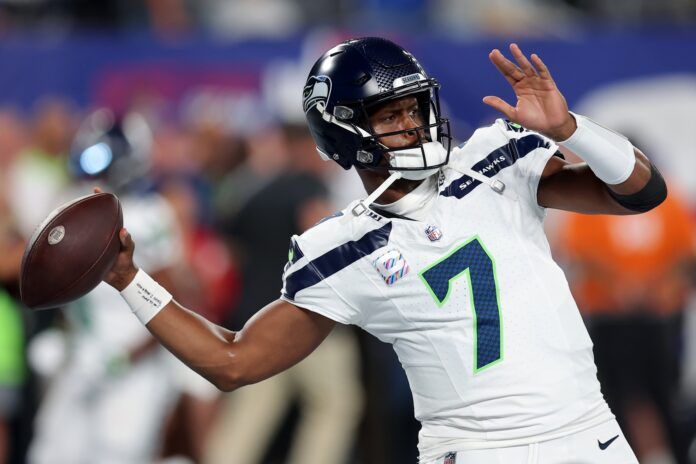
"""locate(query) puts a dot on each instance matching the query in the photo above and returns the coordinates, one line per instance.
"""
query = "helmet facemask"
(429, 151)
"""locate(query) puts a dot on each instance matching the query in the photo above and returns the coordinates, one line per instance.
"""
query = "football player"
(446, 259)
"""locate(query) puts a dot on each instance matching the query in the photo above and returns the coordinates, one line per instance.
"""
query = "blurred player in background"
(446, 259)
(38, 175)
(110, 401)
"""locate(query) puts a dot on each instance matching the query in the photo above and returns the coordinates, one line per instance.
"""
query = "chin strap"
(361, 207)
(495, 184)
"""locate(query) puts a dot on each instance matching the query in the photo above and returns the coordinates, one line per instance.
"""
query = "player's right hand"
(123, 271)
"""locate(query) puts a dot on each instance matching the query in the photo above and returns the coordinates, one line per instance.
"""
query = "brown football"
(71, 251)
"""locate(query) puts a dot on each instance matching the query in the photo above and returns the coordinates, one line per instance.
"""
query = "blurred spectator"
(12, 369)
(169, 17)
(14, 377)
(531, 17)
(11, 242)
(637, 11)
(204, 250)
(290, 197)
(265, 157)
(39, 173)
(162, 16)
(13, 138)
(284, 194)
(217, 123)
(631, 278)
(259, 18)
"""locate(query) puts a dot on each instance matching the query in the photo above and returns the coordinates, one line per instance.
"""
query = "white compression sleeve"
(608, 153)
(145, 296)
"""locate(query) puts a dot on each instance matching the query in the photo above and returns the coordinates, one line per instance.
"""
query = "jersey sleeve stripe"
(496, 161)
(525, 145)
(333, 261)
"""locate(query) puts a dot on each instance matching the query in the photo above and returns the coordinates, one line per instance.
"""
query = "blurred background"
(191, 112)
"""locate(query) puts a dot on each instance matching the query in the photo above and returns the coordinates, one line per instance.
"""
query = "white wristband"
(609, 154)
(145, 296)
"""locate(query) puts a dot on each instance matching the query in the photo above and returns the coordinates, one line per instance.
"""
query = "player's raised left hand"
(540, 105)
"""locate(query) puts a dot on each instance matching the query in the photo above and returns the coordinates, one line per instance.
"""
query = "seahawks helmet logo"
(317, 89)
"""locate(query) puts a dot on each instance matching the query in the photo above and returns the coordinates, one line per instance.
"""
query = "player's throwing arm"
(277, 337)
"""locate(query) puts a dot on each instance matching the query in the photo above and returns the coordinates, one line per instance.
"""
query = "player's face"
(398, 115)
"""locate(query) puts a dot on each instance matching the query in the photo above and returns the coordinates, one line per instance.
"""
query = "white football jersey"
(479, 314)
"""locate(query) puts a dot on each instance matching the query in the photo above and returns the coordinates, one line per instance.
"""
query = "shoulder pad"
(315, 256)
(338, 228)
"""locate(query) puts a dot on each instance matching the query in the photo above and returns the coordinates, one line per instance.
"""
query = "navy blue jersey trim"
(333, 261)
(495, 162)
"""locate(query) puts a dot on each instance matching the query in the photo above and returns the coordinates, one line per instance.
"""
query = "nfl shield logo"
(450, 458)
(434, 233)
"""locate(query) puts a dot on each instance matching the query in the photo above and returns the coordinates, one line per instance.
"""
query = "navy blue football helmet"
(361, 74)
